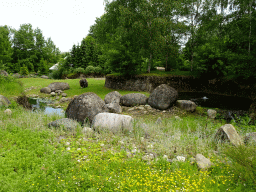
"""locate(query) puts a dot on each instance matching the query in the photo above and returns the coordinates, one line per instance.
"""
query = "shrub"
(24, 70)
(90, 69)
(79, 70)
(98, 70)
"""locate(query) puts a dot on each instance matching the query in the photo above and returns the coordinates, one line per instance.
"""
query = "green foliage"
(79, 70)
(98, 70)
(90, 69)
(24, 70)
(27, 63)
(243, 164)
(43, 67)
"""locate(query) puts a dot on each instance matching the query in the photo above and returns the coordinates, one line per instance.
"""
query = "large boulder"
(85, 106)
(112, 122)
(186, 105)
(162, 97)
(228, 133)
(46, 90)
(68, 124)
(113, 97)
(83, 83)
(58, 86)
(4, 73)
(132, 99)
(4, 101)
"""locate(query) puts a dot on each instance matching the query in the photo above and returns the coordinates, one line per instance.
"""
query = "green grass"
(36, 158)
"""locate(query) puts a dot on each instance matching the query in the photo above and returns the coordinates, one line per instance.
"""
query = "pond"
(41, 104)
(216, 101)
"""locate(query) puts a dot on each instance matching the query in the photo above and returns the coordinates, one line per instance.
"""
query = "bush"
(24, 70)
(98, 70)
(79, 70)
(90, 69)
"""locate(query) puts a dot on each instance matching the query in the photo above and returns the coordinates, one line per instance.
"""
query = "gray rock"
(44, 77)
(85, 106)
(58, 86)
(114, 108)
(64, 94)
(250, 138)
(46, 90)
(53, 93)
(112, 122)
(162, 97)
(4, 101)
(228, 133)
(4, 73)
(202, 162)
(68, 124)
(113, 97)
(211, 113)
(132, 99)
(83, 83)
(186, 105)
(63, 99)
(58, 92)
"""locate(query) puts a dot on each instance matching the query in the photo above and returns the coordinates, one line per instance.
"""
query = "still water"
(39, 104)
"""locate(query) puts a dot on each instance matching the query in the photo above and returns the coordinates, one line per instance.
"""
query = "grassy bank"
(36, 158)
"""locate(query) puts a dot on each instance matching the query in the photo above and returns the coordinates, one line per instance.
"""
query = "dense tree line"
(134, 36)
(27, 48)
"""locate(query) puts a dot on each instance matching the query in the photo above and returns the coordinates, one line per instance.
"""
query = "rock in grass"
(4, 101)
(112, 122)
(69, 124)
(202, 162)
(227, 133)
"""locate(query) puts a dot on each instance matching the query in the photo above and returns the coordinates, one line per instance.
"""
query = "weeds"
(36, 158)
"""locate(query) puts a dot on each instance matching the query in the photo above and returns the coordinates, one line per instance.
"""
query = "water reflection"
(39, 104)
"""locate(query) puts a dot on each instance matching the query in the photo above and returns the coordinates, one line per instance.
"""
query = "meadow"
(34, 157)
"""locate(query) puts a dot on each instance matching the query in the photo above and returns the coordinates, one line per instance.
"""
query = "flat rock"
(46, 90)
(58, 86)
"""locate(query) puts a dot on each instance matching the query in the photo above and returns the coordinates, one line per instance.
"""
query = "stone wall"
(184, 84)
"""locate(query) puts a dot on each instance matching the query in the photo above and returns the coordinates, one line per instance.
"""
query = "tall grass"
(34, 157)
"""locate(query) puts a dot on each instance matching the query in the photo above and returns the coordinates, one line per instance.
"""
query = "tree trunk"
(249, 49)
(166, 62)
(149, 63)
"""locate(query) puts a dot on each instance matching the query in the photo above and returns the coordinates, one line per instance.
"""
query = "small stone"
(8, 112)
(165, 157)
(202, 162)
(53, 94)
(67, 143)
(64, 94)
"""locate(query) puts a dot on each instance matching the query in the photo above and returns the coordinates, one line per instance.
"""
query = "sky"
(67, 22)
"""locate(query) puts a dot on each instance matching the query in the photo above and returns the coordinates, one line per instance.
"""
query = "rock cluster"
(104, 115)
